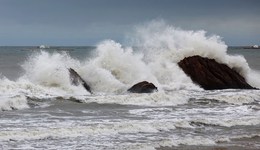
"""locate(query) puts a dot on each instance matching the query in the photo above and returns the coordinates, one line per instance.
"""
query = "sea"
(41, 109)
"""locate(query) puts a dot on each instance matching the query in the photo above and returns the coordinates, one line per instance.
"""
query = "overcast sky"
(87, 22)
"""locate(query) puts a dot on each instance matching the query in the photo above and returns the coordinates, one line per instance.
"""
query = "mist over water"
(112, 114)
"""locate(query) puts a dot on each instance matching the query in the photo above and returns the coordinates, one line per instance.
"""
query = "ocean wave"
(99, 131)
(13, 103)
(115, 68)
(231, 96)
(19, 95)
(251, 136)
(199, 116)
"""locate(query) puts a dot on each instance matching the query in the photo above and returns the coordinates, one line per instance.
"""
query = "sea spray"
(163, 41)
(179, 116)
(156, 50)
(163, 44)
(49, 69)
(116, 68)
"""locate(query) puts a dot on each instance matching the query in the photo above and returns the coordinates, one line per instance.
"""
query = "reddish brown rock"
(143, 87)
(211, 75)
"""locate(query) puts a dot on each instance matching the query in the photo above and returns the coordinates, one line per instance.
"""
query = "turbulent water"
(40, 109)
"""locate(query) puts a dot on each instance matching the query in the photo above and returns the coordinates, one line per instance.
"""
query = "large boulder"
(143, 87)
(212, 75)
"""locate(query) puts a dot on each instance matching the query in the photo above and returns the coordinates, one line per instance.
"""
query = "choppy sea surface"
(40, 109)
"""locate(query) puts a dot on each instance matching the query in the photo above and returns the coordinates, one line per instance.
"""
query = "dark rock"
(211, 75)
(143, 87)
(76, 79)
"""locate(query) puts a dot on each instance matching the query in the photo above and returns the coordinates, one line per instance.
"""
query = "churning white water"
(41, 108)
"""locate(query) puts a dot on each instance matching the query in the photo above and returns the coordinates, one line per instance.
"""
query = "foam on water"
(115, 68)
(145, 133)
(179, 114)
(124, 130)
(68, 129)
(231, 96)
(153, 99)
(230, 116)
(14, 102)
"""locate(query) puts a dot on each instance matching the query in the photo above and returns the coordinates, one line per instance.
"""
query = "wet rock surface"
(143, 87)
(76, 79)
(212, 75)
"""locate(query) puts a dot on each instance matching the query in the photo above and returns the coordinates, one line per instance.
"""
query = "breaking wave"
(158, 47)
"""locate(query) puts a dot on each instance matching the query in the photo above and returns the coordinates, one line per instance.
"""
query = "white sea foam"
(230, 116)
(13, 102)
(164, 45)
(123, 130)
(14, 94)
(49, 69)
(153, 99)
(162, 42)
(115, 68)
(230, 122)
(231, 96)
(253, 78)
(245, 136)
(94, 128)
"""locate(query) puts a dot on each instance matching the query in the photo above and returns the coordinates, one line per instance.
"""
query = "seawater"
(40, 109)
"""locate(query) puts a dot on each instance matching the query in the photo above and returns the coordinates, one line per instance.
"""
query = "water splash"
(114, 68)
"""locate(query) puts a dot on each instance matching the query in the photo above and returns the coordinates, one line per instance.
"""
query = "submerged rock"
(76, 79)
(143, 87)
(212, 75)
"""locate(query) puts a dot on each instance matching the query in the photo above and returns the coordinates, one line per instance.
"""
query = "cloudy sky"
(87, 22)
